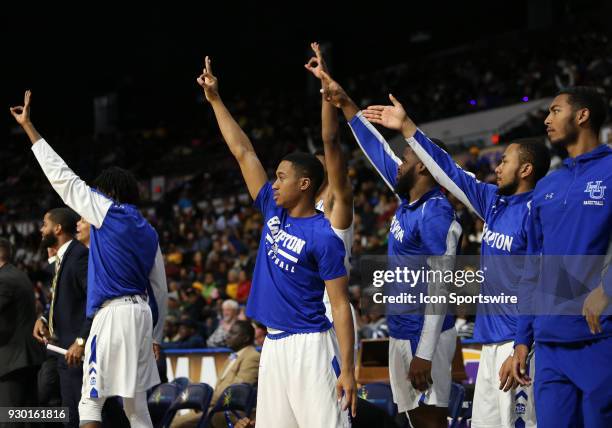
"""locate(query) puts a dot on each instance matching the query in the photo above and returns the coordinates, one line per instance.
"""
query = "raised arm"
(474, 194)
(373, 145)
(75, 193)
(235, 138)
(341, 192)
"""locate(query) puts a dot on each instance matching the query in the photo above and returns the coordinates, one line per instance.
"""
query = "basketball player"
(421, 347)
(299, 256)
(125, 275)
(571, 216)
(335, 197)
(503, 208)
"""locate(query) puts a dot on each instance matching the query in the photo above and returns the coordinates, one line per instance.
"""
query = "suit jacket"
(244, 370)
(18, 349)
(69, 320)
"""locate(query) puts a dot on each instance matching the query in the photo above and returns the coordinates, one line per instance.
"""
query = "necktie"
(53, 292)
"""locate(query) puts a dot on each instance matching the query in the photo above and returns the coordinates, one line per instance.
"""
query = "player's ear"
(305, 183)
(525, 170)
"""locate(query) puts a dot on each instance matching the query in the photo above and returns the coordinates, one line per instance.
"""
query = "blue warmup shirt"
(571, 215)
(426, 227)
(504, 234)
(121, 256)
(124, 255)
(296, 255)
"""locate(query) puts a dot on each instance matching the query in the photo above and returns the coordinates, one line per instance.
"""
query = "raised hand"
(392, 117)
(22, 113)
(209, 82)
(332, 91)
(316, 64)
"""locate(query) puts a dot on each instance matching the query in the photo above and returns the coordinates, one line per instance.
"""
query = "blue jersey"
(425, 227)
(296, 255)
(124, 255)
(504, 234)
(121, 256)
(570, 215)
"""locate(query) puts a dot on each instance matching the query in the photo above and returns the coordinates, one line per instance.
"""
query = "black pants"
(49, 384)
(19, 389)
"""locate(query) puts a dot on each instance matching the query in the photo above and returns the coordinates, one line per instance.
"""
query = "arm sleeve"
(75, 193)
(330, 257)
(529, 278)
(376, 149)
(475, 195)
(440, 234)
(157, 279)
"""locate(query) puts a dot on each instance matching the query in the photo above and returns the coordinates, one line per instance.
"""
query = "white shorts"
(404, 394)
(493, 407)
(297, 382)
(119, 356)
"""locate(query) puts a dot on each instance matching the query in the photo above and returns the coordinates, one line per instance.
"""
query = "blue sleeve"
(329, 253)
(530, 277)
(376, 149)
(474, 194)
(264, 198)
(440, 232)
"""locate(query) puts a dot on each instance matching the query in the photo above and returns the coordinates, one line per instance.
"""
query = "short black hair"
(246, 329)
(6, 252)
(66, 218)
(591, 98)
(308, 166)
(535, 152)
(118, 184)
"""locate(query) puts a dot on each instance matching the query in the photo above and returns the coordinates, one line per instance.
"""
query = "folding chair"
(159, 403)
(196, 396)
(236, 398)
(181, 382)
(380, 395)
(455, 404)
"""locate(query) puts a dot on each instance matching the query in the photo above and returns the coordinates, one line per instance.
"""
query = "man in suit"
(20, 355)
(241, 367)
(65, 324)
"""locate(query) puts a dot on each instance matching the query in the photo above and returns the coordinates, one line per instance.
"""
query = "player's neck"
(304, 208)
(419, 189)
(585, 142)
(523, 186)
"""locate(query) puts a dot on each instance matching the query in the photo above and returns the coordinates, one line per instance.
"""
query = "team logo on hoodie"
(596, 192)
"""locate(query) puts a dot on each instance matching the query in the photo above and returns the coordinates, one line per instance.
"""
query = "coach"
(65, 323)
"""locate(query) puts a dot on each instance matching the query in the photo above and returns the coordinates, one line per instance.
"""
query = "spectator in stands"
(188, 337)
(242, 366)
(244, 287)
(229, 311)
(260, 333)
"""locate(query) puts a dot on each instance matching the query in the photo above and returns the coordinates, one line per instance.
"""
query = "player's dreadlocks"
(118, 184)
